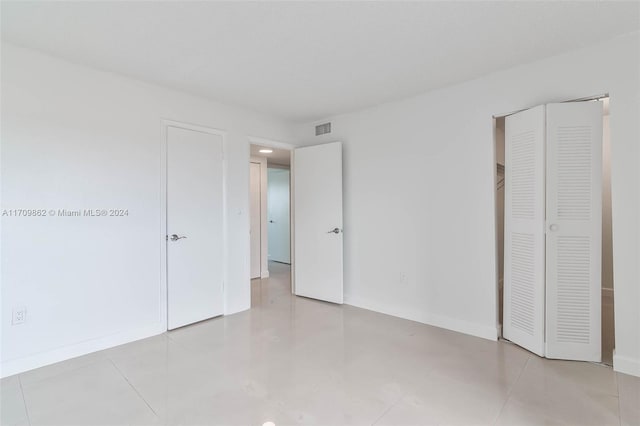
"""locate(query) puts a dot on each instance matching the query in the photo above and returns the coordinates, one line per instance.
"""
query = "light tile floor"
(292, 360)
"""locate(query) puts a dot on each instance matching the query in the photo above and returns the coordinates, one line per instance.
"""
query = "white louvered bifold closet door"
(524, 229)
(574, 230)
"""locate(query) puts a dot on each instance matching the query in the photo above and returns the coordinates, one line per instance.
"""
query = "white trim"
(292, 221)
(165, 123)
(494, 197)
(19, 365)
(587, 98)
(626, 365)
(279, 166)
(196, 127)
(162, 299)
(453, 324)
(254, 140)
(264, 235)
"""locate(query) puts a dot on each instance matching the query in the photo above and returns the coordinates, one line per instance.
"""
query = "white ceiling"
(280, 157)
(307, 60)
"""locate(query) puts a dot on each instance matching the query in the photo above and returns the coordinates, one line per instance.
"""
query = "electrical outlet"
(19, 316)
(404, 280)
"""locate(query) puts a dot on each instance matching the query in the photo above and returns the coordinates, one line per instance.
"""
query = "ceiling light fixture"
(266, 151)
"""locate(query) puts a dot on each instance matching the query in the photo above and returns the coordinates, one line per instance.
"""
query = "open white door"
(194, 226)
(574, 232)
(317, 186)
(524, 239)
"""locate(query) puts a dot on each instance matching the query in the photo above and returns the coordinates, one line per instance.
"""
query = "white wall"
(73, 137)
(419, 191)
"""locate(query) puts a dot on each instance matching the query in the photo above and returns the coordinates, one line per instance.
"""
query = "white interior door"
(317, 183)
(278, 213)
(256, 219)
(524, 224)
(574, 230)
(194, 226)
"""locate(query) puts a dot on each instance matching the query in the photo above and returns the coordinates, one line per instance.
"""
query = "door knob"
(553, 227)
(334, 231)
(175, 237)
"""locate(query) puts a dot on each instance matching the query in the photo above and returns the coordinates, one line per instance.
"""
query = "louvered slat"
(572, 291)
(574, 172)
(523, 175)
(523, 281)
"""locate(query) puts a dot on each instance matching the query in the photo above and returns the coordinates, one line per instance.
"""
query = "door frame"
(494, 157)
(264, 259)
(164, 283)
(270, 143)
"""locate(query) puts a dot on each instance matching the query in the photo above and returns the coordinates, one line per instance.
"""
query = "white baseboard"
(626, 365)
(236, 310)
(265, 274)
(19, 365)
(453, 324)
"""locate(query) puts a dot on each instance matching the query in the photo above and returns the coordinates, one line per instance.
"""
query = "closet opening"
(606, 307)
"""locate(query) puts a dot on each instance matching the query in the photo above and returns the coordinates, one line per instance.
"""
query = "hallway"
(265, 290)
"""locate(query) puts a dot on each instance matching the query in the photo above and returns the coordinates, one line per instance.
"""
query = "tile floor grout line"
(384, 413)
(510, 391)
(179, 345)
(134, 388)
(71, 369)
(24, 401)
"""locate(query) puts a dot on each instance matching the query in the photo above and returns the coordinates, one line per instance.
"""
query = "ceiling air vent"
(323, 129)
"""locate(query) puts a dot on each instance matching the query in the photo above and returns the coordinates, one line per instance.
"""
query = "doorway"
(270, 211)
(315, 216)
(279, 214)
(606, 308)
